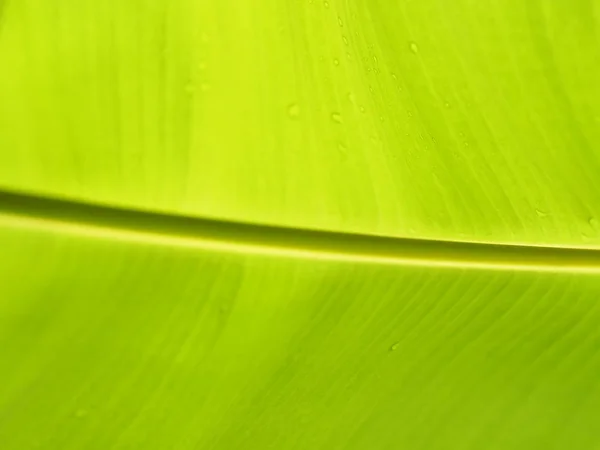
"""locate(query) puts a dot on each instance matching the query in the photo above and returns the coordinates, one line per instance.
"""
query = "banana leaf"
(299, 224)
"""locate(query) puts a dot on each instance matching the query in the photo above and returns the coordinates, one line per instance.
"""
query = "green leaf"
(299, 224)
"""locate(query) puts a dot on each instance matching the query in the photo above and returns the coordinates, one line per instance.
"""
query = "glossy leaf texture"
(189, 193)
(475, 121)
(109, 344)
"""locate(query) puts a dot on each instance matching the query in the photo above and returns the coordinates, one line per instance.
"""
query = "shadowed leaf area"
(302, 224)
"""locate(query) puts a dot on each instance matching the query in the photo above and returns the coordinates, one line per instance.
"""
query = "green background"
(468, 120)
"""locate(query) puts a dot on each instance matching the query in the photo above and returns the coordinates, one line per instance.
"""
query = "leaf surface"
(303, 224)
(479, 121)
(109, 344)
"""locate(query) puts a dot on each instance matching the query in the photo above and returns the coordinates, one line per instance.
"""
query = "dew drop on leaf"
(293, 110)
(336, 117)
(414, 48)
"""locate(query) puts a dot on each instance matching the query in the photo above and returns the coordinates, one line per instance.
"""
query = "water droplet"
(326, 4)
(336, 61)
(594, 223)
(340, 23)
(394, 77)
(541, 213)
(410, 114)
(205, 86)
(336, 117)
(348, 55)
(202, 66)
(381, 119)
(447, 104)
(394, 347)
(371, 90)
(351, 98)
(80, 413)
(466, 144)
(362, 109)
(413, 47)
(345, 40)
(293, 110)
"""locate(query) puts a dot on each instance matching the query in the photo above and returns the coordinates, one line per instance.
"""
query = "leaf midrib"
(26, 210)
